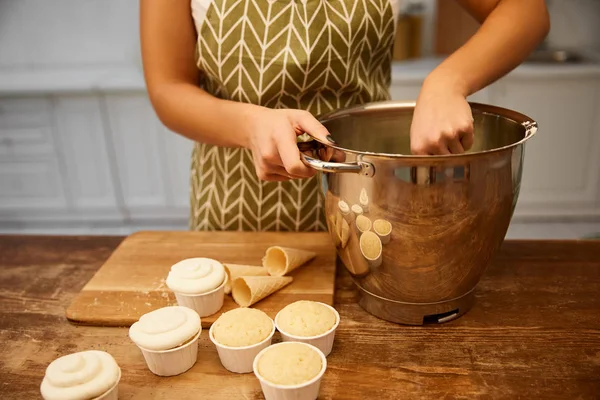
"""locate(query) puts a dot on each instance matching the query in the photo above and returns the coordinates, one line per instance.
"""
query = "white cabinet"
(99, 160)
(560, 177)
(152, 163)
(86, 155)
(30, 174)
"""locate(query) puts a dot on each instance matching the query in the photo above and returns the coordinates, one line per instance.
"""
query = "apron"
(314, 55)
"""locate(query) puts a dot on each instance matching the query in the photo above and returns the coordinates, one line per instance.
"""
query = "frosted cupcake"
(239, 335)
(199, 284)
(86, 375)
(308, 322)
(168, 339)
(290, 370)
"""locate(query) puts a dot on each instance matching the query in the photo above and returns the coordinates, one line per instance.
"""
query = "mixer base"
(416, 313)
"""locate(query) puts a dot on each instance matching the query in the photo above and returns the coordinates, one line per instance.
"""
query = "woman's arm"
(168, 40)
(510, 31)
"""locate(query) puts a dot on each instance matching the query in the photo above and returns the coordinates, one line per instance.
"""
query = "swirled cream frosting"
(165, 328)
(80, 376)
(195, 276)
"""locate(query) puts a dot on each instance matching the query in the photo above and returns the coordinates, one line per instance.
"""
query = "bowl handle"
(359, 167)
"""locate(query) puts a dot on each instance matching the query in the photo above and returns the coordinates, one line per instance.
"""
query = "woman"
(243, 78)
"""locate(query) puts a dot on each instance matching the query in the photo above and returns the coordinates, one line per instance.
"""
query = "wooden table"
(534, 332)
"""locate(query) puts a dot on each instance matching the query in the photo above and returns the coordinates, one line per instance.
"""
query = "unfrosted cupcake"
(85, 375)
(239, 335)
(290, 370)
(199, 284)
(168, 339)
(309, 322)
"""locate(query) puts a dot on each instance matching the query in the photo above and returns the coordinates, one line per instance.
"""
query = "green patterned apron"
(315, 55)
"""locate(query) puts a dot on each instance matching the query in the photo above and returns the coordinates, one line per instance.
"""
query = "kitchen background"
(81, 151)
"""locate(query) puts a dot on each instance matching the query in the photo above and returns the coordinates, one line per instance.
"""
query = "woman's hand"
(442, 122)
(271, 136)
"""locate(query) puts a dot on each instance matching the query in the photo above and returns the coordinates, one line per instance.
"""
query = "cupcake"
(168, 339)
(199, 284)
(383, 229)
(239, 335)
(86, 375)
(308, 322)
(290, 370)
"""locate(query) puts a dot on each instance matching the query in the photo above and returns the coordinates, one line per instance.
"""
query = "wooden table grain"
(534, 332)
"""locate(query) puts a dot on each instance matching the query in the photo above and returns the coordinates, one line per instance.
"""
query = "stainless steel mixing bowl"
(417, 232)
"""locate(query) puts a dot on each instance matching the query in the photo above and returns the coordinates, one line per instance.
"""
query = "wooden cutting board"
(132, 281)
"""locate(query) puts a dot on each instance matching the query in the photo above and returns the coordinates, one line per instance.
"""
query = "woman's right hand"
(271, 136)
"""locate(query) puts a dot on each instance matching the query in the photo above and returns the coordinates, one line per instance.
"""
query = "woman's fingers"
(290, 156)
(306, 122)
(466, 139)
(455, 146)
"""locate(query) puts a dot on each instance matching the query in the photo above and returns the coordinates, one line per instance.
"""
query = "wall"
(575, 23)
(70, 73)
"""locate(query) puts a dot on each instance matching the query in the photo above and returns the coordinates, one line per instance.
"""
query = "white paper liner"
(240, 359)
(204, 304)
(308, 390)
(364, 200)
(113, 392)
(373, 262)
(385, 237)
(363, 224)
(173, 361)
(323, 342)
(357, 210)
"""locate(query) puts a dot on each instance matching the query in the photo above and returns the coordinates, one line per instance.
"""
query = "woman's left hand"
(442, 121)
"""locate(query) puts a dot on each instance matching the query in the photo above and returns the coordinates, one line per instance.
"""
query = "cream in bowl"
(168, 339)
(85, 375)
(199, 284)
(309, 322)
(290, 370)
(239, 335)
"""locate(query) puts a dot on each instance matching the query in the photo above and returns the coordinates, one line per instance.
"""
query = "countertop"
(534, 332)
(130, 78)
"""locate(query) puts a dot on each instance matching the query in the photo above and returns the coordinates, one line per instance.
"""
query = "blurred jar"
(409, 31)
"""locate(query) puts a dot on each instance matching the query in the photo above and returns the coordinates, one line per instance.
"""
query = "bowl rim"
(314, 379)
(524, 121)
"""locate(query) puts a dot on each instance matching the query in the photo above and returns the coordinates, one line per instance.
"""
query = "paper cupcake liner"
(236, 270)
(204, 304)
(364, 200)
(384, 236)
(240, 359)
(113, 392)
(280, 261)
(343, 207)
(363, 224)
(357, 210)
(308, 390)
(373, 260)
(323, 342)
(173, 361)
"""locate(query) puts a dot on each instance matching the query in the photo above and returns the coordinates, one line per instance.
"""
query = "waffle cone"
(234, 271)
(248, 290)
(280, 261)
(345, 233)
(333, 226)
